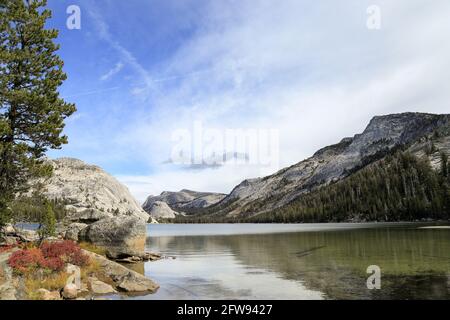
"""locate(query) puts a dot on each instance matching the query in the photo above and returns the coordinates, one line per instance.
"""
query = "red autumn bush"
(24, 261)
(68, 251)
(6, 248)
(79, 259)
(54, 264)
(51, 256)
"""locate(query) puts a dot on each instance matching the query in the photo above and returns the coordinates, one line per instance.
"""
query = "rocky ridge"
(161, 210)
(383, 135)
(169, 204)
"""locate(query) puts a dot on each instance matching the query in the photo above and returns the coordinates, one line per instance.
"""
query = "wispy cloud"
(91, 92)
(310, 69)
(116, 69)
(315, 72)
(126, 55)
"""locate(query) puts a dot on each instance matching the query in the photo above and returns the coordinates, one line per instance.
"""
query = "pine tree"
(31, 111)
(444, 164)
(47, 223)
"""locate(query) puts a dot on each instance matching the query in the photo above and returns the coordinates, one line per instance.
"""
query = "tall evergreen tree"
(48, 223)
(444, 164)
(31, 111)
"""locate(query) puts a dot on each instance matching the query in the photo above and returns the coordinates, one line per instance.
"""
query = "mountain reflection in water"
(325, 261)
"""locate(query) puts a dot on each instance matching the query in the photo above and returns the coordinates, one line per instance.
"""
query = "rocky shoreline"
(104, 277)
(99, 212)
(113, 278)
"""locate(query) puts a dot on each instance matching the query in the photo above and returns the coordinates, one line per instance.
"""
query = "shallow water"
(27, 226)
(303, 261)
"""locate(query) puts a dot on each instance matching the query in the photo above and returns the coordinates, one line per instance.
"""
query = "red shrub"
(54, 264)
(58, 249)
(68, 251)
(52, 256)
(79, 259)
(6, 248)
(26, 260)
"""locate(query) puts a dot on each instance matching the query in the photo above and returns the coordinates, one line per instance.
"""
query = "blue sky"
(140, 70)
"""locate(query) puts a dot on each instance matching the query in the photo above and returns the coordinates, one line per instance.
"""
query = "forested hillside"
(399, 187)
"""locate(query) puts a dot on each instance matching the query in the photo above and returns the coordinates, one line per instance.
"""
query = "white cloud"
(311, 70)
(116, 69)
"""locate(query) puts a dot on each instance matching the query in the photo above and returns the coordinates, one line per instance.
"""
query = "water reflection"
(415, 264)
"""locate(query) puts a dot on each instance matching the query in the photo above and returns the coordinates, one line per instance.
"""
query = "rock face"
(183, 201)
(121, 236)
(73, 231)
(99, 287)
(100, 209)
(159, 209)
(89, 192)
(125, 279)
(383, 135)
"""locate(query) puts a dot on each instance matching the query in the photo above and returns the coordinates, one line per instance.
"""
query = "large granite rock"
(99, 287)
(100, 209)
(123, 278)
(184, 201)
(89, 192)
(122, 236)
(73, 230)
(27, 235)
(161, 210)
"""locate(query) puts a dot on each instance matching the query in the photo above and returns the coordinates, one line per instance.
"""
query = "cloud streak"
(116, 69)
(309, 69)
(126, 55)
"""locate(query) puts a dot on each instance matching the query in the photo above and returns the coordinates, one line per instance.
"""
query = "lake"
(299, 261)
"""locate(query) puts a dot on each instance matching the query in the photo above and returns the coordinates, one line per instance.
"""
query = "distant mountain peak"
(182, 201)
(383, 135)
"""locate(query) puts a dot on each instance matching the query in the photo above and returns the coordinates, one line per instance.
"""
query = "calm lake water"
(303, 261)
